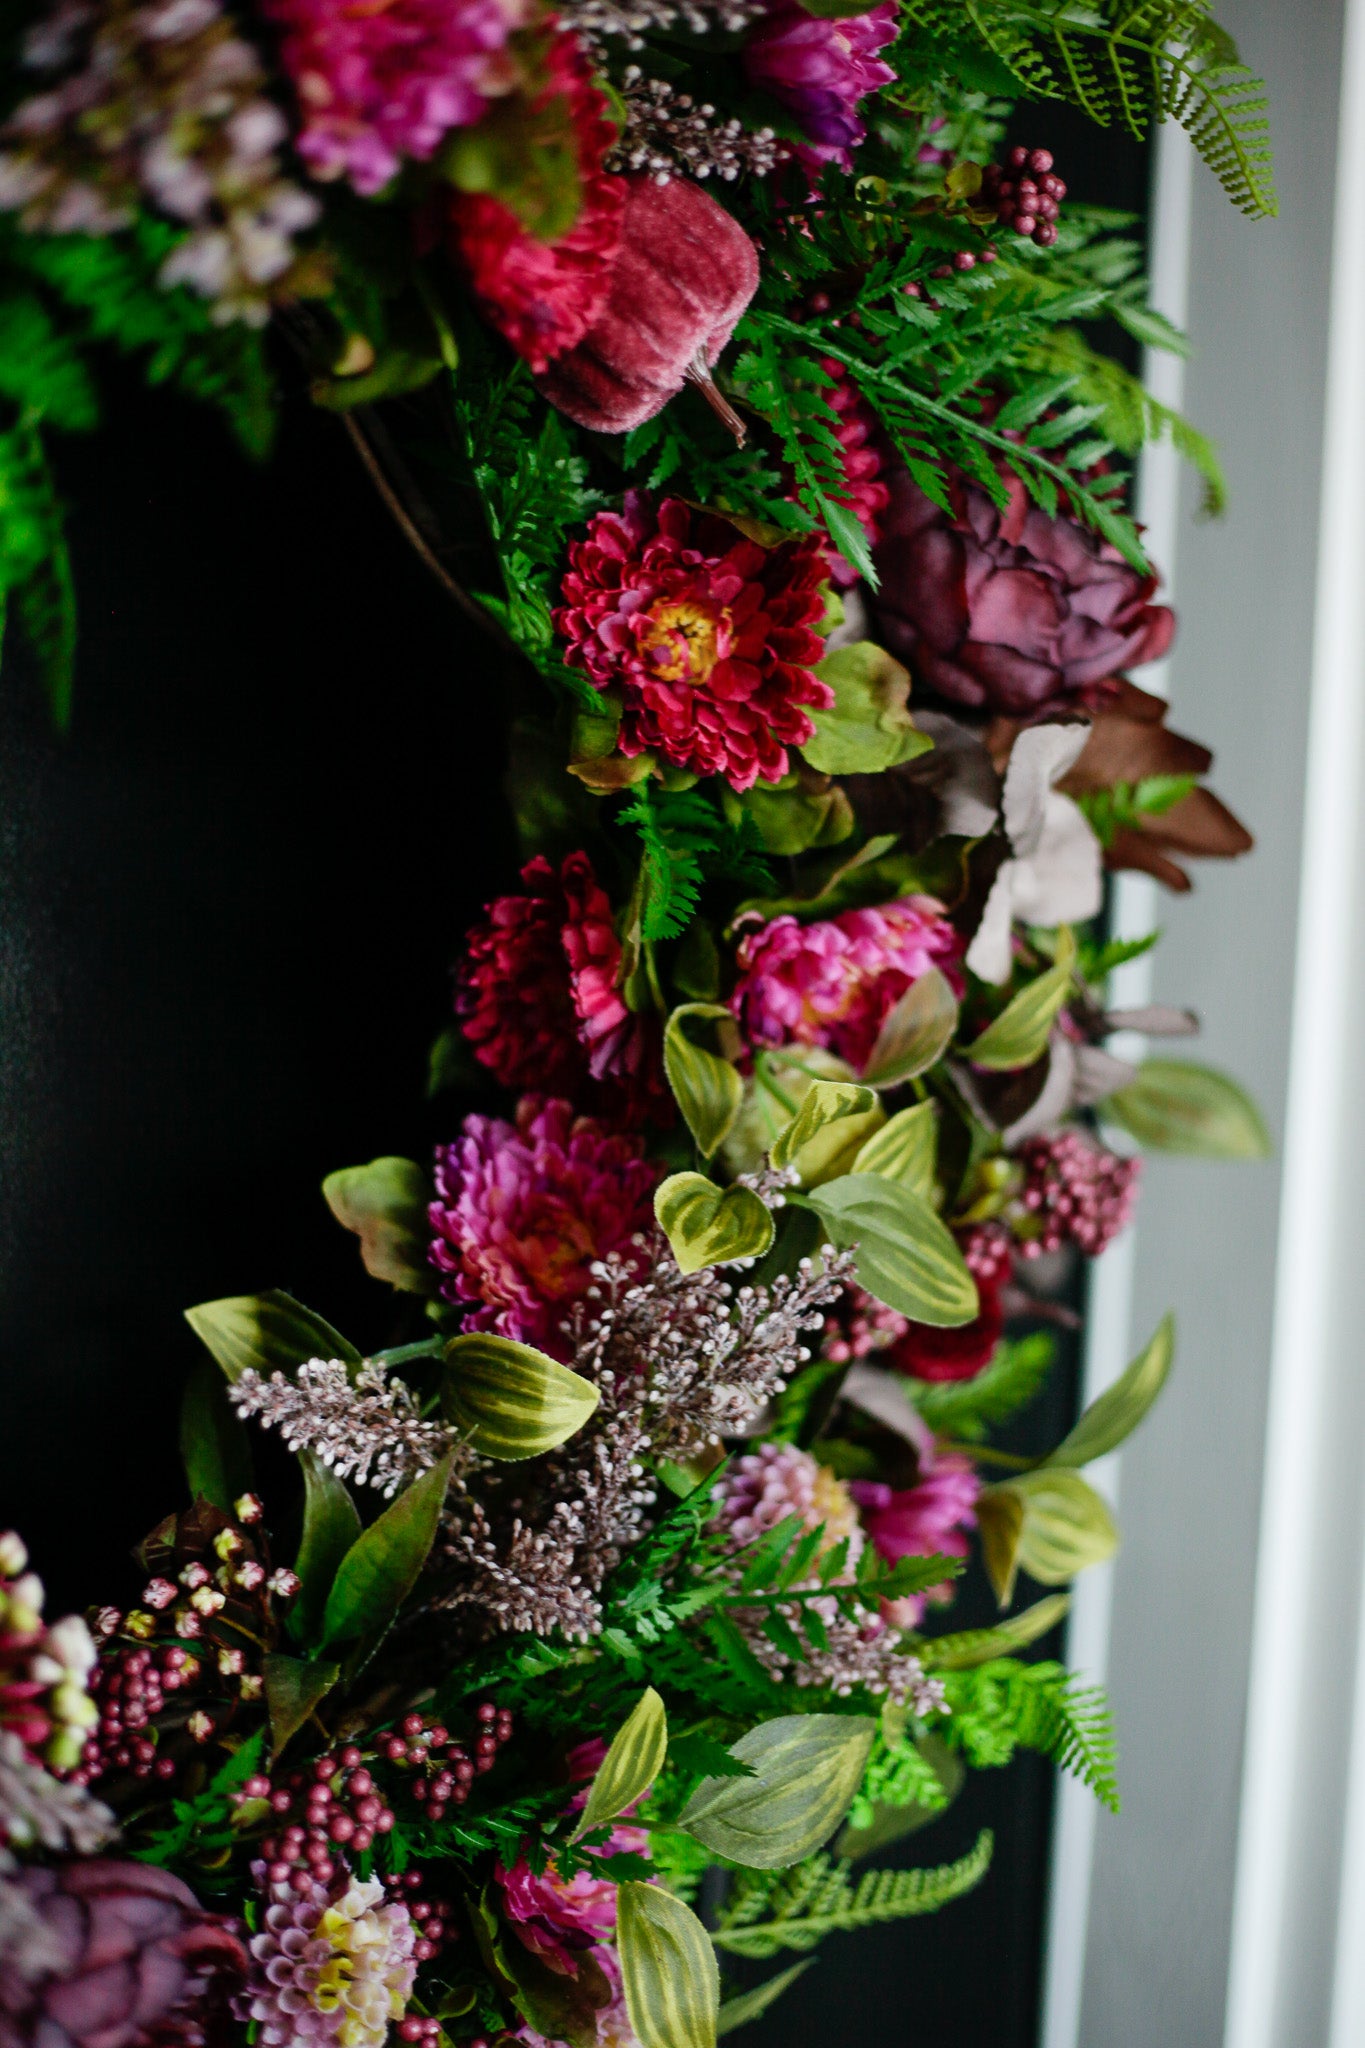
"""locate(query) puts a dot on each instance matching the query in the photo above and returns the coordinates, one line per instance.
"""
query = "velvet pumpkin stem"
(698, 372)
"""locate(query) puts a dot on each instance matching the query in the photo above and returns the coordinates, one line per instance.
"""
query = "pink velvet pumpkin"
(684, 272)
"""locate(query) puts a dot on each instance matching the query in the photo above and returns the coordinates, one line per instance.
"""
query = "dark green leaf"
(214, 1445)
(269, 1332)
(330, 1526)
(383, 1564)
(293, 1688)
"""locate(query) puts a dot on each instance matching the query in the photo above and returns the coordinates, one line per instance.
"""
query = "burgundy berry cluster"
(131, 1688)
(442, 1768)
(320, 1809)
(436, 1927)
(1026, 194)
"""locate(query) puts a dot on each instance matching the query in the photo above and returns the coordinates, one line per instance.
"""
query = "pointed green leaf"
(383, 1564)
(840, 1112)
(293, 1687)
(330, 1526)
(916, 1033)
(668, 1968)
(214, 1445)
(1179, 1106)
(512, 1400)
(630, 1766)
(710, 1226)
(707, 1088)
(385, 1204)
(970, 1647)
(904, 1150)
(1019, 1035)
(747, 2005)
(1049, 1523)
(806, 1768)
(905, 1254)
(270, 1332)
(1120, 1408)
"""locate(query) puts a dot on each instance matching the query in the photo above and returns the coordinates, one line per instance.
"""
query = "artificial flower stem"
(698, 372)
(428, 1347)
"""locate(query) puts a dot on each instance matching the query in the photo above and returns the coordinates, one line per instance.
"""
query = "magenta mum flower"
(926, 1520)
(1011, 611)
(821, 69)
(378, 83)
(708, 637)
(523, 1212)
(832, 983)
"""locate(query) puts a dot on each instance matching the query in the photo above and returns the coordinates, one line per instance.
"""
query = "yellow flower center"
(684, 640)
(834, 1507)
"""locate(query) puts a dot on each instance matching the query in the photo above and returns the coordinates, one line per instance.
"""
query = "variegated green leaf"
(905, 1254)
(838, 1111)
(630, 1766)
(269, 1332)
(710, 1226)
(1049, 1523)
(708, 1089)
(668, 1968)
(904, 1150)
(806, 1769)
(1179, 1106)
(512, 1400)
(915, 1034)
(1019, 1035)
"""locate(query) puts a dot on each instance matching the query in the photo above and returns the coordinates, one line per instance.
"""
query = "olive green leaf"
(867, 728)
(747, 2005)
(293, 1687)
(710, 1226)
(904, 1150)
(512, 1400)
(825, 1105)
(385, 1204)
(1049, 1523)
(330, 1526)
(1019, 1035)
(905, 1255)
(806, 1769)
(1117, 1412)
(1179, 1106)
(270, 1332)
(382, 1566)
(916, 1033)
(668, 1968)
(707, 1088)
(630, 1766)
(972, 1646)
(214, 1446)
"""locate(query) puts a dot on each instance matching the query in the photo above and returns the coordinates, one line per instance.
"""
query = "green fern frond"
(968, 1409)
(686, 841)
(819, 1897)
(1005, 1705)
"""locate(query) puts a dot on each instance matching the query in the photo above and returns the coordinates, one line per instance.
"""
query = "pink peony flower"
(821, 69)
(708, 637)
(378, 83)
(555, 1918)
(1074, 1192)
(834, 982)
(1011, 611)
(522, 1214)
(926, 1520)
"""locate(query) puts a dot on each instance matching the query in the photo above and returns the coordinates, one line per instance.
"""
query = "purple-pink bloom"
(834, 982)
(380, 82)
(557, 1918)
(821, 69)
(523, 1212)
(926, 1520)
(1010, 611)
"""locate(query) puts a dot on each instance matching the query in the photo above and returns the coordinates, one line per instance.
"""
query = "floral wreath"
(728, 362)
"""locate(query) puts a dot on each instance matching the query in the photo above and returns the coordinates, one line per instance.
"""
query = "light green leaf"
(867, 728)
(972, 1646)
(1049, 1523)
(383, 1564)
(630, 1766)
(512, 1400)
(710, 1226)
(330, 1526)
(806, 1768)
(293, 1688)
(385, 1204)
(270, 1332)
(905, 1255)
(915, 1034)
(825, 1106)
(1019, 1035)
(1120, 1408)
(668, 1968)
(747, 2005)
(904, 1150)
(1178, 1106)
(707, 1088)
(214, 1446)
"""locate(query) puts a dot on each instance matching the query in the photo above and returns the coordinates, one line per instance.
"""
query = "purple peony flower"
(833, 983)
(523, 1213)
(380, 83)
(821, 69)
(925, 1520)
(1010, 611)
(328, 1968)
(128, 1956)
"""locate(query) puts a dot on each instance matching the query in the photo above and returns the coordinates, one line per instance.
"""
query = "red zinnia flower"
(708, 637)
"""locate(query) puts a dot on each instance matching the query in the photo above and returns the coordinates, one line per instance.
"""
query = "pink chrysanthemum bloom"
(834, 982)
(523, 1213)
(43, 1667)
(821, 69)
(556, 1919)
(1075, 1192)
(926, 1520)
(709, 638)
(378, 83)
(329, 1970)
(766, 1485)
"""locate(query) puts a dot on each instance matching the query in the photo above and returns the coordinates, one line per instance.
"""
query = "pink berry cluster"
(436, 1928)
(988, 1252)
(419, 2027)
(1026, 193)
(443, 1768)
(132, 1689)
(1074, 1192)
